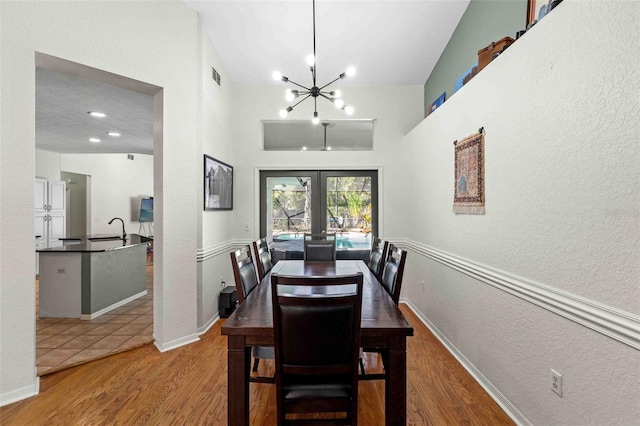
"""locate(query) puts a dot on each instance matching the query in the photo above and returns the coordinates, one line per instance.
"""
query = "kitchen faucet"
(124, 233)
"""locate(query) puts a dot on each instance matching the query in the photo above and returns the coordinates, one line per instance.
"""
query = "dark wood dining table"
(382, 326)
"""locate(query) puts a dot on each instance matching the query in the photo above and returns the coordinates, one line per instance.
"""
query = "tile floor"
(65, 342)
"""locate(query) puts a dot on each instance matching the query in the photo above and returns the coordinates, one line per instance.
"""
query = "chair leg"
(256, 361)
(361, 365)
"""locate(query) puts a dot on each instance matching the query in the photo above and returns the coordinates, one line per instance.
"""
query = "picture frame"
(218, 184)
(537, 9)
(435, 104)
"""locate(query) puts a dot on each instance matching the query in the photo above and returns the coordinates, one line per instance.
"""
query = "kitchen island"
(85, 277)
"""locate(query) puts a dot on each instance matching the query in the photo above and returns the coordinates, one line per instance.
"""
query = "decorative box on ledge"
(488, 53)
(227, 302)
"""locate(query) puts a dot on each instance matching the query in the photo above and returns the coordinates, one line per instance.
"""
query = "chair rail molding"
(614, 323)
(219, 249)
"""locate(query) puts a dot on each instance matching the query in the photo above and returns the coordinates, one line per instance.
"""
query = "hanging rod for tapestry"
(480, 131)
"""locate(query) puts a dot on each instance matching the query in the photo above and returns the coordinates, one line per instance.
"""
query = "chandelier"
(314, 92)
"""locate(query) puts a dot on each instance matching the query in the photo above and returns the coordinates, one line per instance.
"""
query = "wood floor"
(188, 386)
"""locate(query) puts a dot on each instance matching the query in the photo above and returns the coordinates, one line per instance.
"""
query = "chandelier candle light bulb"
(314, 91)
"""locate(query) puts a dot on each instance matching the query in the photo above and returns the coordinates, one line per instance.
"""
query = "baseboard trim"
(112, 307)
(493, 392)
(208, 325)
(176, 343)
(614, 323)
(21, 393)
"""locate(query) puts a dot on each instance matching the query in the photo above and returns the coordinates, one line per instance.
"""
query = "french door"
(345, 202)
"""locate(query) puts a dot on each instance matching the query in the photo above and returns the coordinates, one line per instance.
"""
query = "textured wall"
(541, 279)
(153, 42)
(483, 22)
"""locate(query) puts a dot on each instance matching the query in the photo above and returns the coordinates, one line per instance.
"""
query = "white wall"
(153, 42)
(216, 234)
(47, 165)
(548, 278)
(396, 109)
(116, 186)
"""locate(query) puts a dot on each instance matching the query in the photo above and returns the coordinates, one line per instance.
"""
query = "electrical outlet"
(246, 226)
(62, 271)
(222, 283)
(556, 382)
(423, 286)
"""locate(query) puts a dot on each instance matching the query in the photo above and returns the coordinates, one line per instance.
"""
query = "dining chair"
(246, 279)
(391, 281)
(263, 257)
(377, 256)
(316, 338)
(319, 246)
(393, 270)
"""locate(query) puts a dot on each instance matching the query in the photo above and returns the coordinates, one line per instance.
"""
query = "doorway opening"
(65, 342)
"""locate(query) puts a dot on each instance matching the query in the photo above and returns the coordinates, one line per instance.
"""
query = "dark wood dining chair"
(316, 339)
(263, 257)
(393, 271)
(319, 246)
(246, 280)
(391, 280)
(377, 256)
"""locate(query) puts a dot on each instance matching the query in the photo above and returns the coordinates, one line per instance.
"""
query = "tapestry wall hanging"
(469, 175)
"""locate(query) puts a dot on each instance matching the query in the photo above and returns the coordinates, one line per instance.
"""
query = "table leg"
(396, 383)
(238, 358)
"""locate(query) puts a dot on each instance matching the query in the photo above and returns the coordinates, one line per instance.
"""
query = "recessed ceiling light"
(114, 134)
(94, 140)
(97, 114)
(304, 148)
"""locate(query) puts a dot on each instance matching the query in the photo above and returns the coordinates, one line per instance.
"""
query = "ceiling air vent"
(215, 75)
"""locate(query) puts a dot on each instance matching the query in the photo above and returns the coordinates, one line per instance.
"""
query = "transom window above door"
(329, 135)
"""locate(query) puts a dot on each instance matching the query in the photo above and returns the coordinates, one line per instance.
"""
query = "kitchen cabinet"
(50, 211)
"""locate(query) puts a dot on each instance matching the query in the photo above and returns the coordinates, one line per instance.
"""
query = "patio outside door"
(344, 202)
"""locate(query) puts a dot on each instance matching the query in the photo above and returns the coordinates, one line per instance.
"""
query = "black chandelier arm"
(301, 100)
(299, 85)
(330, 83)
(326, 97)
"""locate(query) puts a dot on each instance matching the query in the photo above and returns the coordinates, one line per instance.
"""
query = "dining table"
(382, 326)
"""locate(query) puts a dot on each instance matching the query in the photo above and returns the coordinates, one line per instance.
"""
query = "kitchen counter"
(88, 276)
(93, 243)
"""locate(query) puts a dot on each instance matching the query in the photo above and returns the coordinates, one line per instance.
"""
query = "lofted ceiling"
(390, 42)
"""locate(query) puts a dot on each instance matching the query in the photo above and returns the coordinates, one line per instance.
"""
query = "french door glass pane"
(289, 212)
(349, 209)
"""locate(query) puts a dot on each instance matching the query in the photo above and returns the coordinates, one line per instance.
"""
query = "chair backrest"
(244, 272)
(316, 341)
(263, 257)
(377, 256)
(319, 246)
(391, 278)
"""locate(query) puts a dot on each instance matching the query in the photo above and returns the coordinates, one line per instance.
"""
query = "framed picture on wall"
(218, 184)
(537, 9)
